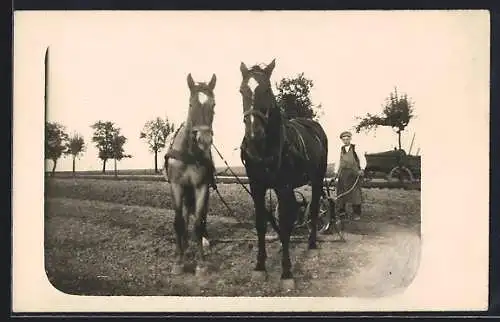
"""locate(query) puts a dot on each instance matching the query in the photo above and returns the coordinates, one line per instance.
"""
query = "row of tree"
(59, 143)
(107, 138)
(293, 98)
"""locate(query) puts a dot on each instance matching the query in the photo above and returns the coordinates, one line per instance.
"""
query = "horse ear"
(190, 81)
(243, 68)
(270, 67)
(212, 82)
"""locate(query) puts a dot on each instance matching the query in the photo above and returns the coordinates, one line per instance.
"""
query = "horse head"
(201, 111)
(258, 99)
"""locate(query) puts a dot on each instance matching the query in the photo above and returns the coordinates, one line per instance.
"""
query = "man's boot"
(341, 212)
(356, 209)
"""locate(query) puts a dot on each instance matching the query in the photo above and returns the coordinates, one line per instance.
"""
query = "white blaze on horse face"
(252, 84)
(202, 98)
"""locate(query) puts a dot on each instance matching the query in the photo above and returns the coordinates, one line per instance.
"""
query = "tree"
(294, 97)
(397, 113)
(155, 133)
(75, 147)
(56, 140)
(108, 141)
(117, 146)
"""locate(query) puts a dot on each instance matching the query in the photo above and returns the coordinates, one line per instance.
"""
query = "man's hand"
(361, 173)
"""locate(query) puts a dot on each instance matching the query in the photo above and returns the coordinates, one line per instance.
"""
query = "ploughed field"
(116, 237)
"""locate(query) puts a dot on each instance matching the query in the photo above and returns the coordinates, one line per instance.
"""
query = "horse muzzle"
(204, 139)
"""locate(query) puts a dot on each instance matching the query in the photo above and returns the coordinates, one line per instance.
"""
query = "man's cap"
(345, 133)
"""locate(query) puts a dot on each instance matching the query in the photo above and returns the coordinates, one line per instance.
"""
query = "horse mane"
(202, 85)
(258, 67)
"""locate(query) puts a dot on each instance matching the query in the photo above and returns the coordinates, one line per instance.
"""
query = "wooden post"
(45, 95)
(411, 145)
(46, 65)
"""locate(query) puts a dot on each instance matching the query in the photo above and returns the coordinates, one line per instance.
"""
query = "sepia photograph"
(258, 154)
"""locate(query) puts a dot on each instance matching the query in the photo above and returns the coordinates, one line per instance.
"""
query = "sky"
(130, 67)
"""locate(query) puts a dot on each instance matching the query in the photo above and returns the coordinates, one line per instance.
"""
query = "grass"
(221, 170)
(239, 170)
(106, 237)
(221, 179)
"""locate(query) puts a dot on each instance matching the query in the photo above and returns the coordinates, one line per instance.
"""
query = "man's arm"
(362, 159)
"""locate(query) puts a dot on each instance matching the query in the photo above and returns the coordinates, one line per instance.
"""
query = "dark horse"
(279, 154)
(189, 169)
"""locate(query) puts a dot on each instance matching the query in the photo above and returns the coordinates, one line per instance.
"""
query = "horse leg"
(201, 207)
(287, 215)
(179, 227)
(314, 209)
(188, 210)
(258, 195)
(204, 231)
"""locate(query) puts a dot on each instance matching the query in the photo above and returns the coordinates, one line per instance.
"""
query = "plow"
(327, 215)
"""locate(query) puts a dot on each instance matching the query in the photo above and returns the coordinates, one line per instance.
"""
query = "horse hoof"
(313, 247)
(201, 271)
(177, 269)
(288, 284)
(271, 237)
(259, 276)
(205, 242)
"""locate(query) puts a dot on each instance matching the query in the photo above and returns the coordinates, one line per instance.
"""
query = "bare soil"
(116, 238)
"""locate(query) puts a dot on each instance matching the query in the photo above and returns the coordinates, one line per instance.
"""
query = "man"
(349, 174)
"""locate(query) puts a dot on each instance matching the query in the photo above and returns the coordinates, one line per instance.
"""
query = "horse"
(279, 154)
(190, 171)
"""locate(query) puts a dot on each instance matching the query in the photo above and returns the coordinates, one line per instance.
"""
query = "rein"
(272, 220)
(350, 189)
(252, 111)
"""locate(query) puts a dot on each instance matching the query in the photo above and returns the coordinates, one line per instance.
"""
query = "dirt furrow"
(102, 248)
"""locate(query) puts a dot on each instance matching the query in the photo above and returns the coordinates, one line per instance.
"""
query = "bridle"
(264, 117)
(253, 111)
(194, 129)
(256, 112)
(199, 128)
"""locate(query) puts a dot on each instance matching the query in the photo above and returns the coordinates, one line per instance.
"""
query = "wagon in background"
(392, 165)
